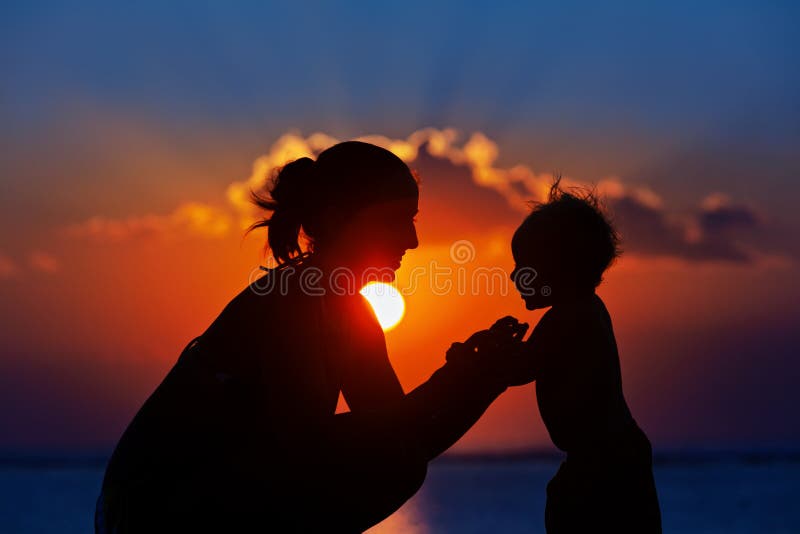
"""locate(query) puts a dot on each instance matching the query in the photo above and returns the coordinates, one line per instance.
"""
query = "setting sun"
(387, 302)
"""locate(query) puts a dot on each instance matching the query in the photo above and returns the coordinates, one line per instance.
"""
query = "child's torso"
(579, 389)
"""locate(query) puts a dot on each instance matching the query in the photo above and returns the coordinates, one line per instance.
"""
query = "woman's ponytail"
(288, 202)
(319, 197)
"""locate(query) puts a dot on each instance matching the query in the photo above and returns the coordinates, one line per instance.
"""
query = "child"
(606, 482)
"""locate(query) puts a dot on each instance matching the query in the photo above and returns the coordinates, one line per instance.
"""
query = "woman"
(242, 433)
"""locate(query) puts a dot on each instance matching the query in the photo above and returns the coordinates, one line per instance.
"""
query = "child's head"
(563, 247)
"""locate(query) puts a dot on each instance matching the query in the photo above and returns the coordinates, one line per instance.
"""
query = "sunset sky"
(131, 132)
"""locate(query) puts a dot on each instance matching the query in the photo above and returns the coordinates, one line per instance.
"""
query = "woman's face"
(372, 243)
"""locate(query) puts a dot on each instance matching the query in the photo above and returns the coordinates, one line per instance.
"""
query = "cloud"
(717, 230)
(8, 269)
(711, 232)
(43, 262)
(37, 260)
(190, 218)
(478, 154)
(287, 148)
(465, 181)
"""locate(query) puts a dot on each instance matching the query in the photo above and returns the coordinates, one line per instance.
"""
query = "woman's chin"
(391, 266)
(385, 274)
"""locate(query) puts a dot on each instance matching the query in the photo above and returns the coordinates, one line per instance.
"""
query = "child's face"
(530, 279)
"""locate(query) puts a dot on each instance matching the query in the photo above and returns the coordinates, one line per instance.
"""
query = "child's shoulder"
(574, 317)
(553, 324)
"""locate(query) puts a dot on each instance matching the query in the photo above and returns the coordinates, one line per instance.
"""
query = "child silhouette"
(606, 483)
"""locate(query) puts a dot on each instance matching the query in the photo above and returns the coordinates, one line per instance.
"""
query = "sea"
(698, 493)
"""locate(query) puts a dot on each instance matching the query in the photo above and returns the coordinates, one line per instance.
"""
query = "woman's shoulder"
(267, 306)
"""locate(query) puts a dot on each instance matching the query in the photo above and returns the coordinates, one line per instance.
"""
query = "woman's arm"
(376, 455)
(432, 417)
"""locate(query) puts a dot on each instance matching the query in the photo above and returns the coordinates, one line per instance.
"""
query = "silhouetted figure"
(242, 435)
(606, 482)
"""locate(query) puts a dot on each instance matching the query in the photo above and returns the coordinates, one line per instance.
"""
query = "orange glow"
(106, 308)
(387, 303)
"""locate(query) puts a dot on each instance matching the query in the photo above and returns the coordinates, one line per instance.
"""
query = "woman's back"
(232, 413)
(250, 433)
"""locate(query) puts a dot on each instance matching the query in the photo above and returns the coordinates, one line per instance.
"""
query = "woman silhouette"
(242, 432)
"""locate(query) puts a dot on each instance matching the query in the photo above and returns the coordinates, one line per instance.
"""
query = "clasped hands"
(498, 351)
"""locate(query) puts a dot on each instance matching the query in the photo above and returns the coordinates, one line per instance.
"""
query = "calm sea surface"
(733, 495)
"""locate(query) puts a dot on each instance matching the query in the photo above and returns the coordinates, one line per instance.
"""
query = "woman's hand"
(498, 351)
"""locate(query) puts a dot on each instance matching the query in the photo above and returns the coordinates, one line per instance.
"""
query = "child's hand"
(505, 332)
(517, 364)
(494, 351)
(511, 327)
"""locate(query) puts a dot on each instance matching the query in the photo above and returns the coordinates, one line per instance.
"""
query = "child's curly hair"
(574, 239)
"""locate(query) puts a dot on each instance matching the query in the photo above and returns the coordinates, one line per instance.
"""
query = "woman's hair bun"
(289, 202)
(291, 186)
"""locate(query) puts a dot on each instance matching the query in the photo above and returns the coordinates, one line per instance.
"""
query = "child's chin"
(533, 304)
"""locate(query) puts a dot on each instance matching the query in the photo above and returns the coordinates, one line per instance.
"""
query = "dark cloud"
(726, 219)
(722, 232)
(452, 205)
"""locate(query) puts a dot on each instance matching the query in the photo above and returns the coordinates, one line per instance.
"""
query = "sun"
(387, 302)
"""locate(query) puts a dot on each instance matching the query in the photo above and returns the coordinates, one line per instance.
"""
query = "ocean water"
(729, 495)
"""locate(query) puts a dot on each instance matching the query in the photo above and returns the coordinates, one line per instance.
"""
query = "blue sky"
(677, 65)
(626, 88)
